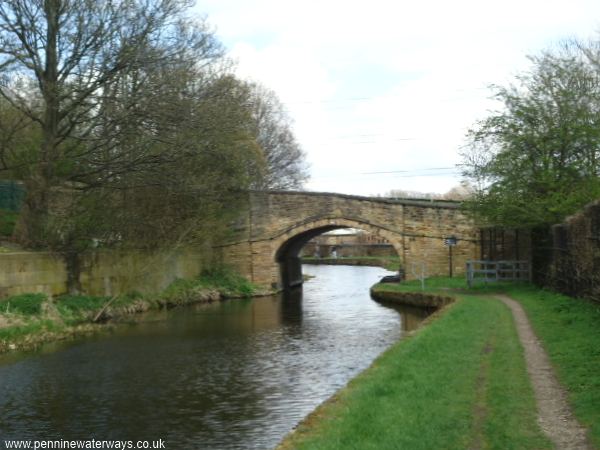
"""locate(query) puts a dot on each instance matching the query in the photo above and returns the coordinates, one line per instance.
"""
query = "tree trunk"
(73, 262)
(31, 228)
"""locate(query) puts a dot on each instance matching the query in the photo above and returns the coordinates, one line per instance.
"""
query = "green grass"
(460, 382)
(435, 284)
(225, 281)
(432, 284)
(28, 329)
(568, 328)
(570, 331)
(24, 304)
(79, 303)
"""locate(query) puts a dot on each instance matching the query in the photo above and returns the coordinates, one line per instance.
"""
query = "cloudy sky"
(389, 86)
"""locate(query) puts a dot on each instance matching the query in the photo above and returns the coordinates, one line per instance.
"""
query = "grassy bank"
(458, 383)
(569, 329)
(29, 320)
(387, 262)
(461, 381)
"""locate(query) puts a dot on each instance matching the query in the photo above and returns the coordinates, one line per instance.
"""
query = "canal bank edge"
(36, 319)
(419, 299)
(441, 303)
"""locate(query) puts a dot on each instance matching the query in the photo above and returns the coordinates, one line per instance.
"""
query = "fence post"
(469, 274)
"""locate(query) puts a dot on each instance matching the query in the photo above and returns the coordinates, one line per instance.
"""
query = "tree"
(62, 60)
(461, 192)
(19, 140)
(138, 135)
(537, 159)
(284, 164)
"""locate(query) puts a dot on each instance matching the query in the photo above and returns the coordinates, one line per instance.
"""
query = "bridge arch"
(271, 230)
(287, 246)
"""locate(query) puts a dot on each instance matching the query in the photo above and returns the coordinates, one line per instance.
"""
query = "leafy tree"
(537, 159)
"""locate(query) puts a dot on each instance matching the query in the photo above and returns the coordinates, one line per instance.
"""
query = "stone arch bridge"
(275, 225)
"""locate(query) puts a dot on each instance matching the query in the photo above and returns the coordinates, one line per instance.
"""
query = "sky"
(389, 86)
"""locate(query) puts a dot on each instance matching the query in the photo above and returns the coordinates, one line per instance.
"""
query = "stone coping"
(449, 204)
(412, 298)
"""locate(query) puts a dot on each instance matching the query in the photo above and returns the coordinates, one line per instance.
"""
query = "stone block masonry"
(574, 263)
(271, 232)
(103, 272)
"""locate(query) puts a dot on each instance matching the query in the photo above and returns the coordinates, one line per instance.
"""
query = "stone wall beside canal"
(104, 272)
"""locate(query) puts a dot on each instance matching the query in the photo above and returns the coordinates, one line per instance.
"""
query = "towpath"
(554, 413)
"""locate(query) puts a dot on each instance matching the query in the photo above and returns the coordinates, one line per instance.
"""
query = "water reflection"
(235, 375)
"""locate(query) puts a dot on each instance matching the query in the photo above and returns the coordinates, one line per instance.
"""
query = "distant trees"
(537, 159)
(125, 124)
(460, 192)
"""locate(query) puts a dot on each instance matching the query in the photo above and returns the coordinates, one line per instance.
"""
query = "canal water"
(233, 375)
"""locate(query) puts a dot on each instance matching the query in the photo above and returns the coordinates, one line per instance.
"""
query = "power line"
(398, 174)
(368, 135)
(384, 96)
(409, 171)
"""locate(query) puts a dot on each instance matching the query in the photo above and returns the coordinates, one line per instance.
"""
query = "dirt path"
(554, 414)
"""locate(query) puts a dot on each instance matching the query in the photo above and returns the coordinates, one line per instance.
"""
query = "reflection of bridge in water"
(277, 224)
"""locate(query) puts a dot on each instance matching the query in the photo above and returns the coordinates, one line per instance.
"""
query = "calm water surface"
(233, 375)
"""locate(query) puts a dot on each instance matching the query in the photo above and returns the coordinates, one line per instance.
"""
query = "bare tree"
(61, 60)
(284, 165)
(138, 134)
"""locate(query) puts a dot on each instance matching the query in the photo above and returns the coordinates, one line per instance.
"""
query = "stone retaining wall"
(575, 257)
(103, 272)
(422, 300)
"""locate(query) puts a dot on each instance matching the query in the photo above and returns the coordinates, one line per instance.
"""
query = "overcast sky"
(384, 86)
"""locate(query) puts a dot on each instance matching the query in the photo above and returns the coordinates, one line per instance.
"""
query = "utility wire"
(378, 97)
(408, 171)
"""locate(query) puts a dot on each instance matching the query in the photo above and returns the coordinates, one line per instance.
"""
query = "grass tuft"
(79, 303)
(24, 304)
(226, 281)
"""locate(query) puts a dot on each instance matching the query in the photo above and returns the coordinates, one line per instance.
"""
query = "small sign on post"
(450, 241)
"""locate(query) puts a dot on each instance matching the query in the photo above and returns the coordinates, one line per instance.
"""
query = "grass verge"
(28, 320)
(568, 328)
(458, 383)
